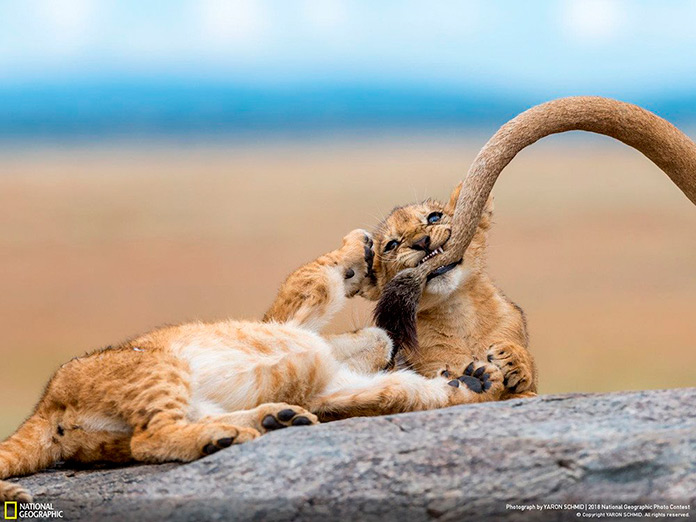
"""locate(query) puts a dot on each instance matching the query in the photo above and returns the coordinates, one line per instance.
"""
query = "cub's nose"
(421, 244)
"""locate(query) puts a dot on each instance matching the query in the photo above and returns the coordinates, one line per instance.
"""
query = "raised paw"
(277, 416)
(481, 378)
(516, 365)
(369, 254)
(221, 436)
(357, 257)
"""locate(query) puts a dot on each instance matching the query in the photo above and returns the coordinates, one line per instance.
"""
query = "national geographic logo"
(30, 511)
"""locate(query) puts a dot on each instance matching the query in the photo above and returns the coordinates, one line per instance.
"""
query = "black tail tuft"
(396, 311)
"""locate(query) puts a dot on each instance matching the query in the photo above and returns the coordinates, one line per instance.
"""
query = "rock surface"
(462, 463)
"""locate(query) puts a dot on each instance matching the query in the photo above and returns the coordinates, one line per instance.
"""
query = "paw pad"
(225, 442)
(286, 415)
(283, 419)
(477, 380)
(369, 254)
(219, 444)
(271, 423)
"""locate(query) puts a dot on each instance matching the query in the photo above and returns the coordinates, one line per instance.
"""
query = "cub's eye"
(434, 217)
(391, 245)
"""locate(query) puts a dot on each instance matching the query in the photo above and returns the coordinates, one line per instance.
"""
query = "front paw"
(516, 365)
(478, 377)
(357, 256)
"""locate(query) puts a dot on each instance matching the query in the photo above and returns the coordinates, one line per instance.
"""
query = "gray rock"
(462, 463)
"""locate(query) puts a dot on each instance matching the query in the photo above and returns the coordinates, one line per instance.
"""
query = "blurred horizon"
(116, 109)
(101, 68)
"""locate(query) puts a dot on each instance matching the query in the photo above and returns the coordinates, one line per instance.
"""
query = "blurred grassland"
(100, 242)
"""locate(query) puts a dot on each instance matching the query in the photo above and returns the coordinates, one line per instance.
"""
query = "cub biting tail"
(664, 144)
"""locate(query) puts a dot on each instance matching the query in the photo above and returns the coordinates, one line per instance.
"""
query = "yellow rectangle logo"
(14, 512)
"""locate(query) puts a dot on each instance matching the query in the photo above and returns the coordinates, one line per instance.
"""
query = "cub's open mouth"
(443, 270)
(432, 254)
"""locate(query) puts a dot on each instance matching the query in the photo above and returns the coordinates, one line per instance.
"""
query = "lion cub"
(463, 317)
(182, 392)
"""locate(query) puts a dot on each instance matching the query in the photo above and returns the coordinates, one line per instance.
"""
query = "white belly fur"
(230, 374)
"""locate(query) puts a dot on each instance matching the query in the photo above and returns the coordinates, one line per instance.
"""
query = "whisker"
(378, 218)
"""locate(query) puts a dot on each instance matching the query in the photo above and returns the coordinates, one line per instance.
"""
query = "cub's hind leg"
(158, 405)
(365, 351)
(170, 440)
(267, 417)
(402, 391)
(28, 450)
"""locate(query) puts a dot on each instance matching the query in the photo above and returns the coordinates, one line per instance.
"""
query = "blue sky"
(565, 44)
(632, 49)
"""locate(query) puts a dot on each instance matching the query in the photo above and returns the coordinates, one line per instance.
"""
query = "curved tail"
(29, 450)
(664, 144)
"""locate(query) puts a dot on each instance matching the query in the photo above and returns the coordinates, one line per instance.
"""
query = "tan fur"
(463, 316)
(181, 392)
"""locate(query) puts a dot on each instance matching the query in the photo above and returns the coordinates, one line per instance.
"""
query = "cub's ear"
(454, 196)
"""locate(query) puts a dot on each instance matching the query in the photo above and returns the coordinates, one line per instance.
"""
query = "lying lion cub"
(181, 392)
(463, 317)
